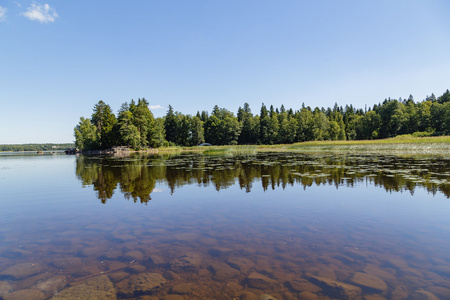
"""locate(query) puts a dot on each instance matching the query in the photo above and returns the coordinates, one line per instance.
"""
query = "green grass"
(404, 144)
(401, 139)
(399, 144)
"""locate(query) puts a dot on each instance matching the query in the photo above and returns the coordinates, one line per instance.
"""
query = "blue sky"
(59, 58)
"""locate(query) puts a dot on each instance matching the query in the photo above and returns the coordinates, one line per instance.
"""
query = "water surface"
(225, 226)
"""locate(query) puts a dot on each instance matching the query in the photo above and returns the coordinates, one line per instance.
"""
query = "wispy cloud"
(17, 3)
(155, 106)
(41, 13)
(3, 11)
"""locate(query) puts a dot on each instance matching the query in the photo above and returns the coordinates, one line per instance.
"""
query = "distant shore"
(35, 147)
(406, 144)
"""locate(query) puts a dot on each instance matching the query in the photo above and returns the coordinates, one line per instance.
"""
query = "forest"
(136, 127)
(34, 147)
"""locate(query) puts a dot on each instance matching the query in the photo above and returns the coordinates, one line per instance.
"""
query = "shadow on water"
(136, 176)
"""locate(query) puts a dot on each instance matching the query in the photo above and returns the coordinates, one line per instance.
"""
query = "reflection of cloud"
(3, 11)
(42, 13)
(157, 190)
(155, 106)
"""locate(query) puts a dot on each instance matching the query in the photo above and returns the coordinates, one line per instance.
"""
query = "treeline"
(135, 125)
(35, 147)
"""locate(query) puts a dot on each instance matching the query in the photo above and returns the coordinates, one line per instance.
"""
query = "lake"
(224, 226)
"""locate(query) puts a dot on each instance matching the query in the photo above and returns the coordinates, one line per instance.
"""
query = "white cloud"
(42, 13)
(17, 3)
(3, 11)
(155, 106)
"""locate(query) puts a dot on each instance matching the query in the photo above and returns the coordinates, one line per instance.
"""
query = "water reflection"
(313, 227)
(137, 176)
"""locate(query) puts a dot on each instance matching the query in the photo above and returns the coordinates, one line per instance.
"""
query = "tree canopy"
(135, 125)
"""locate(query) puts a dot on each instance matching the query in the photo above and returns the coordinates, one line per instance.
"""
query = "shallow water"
(221, 227)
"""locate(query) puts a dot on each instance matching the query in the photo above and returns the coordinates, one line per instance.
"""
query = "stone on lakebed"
(140, 284)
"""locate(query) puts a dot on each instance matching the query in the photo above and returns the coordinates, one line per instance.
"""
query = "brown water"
(292, 226)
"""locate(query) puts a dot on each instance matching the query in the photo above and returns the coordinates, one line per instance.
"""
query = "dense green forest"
(35, 147)
(135, 125)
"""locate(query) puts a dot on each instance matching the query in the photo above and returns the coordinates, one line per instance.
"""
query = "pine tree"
(104, 120)
(170, 125)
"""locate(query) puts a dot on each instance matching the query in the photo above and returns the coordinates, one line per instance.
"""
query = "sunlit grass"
(403, 143)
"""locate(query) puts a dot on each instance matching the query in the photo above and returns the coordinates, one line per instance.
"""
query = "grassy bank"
(405, 144)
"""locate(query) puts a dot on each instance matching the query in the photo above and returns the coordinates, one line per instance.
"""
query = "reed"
(400, 144)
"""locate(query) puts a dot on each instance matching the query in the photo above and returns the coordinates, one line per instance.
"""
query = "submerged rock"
(443, 293)
(93, 251)
(248, 296)
(303, 285)
(337, 289)
(140, 284)
(5, 288)
(68, 262)
(374, 297)
(31, 281)
(324, 271)
(25, 294)
(415, 282)
(111, 254)
(308, 296)
(368, 281)
(52, 285)
(187, 236)
(240, 263)
(100, 288)
(209, 241)
(23, 270)
(157, 259)
(181, 289)
(133, 255)
(442, 270)
(266, 297)
(191, 260)
(398, 263)
(219, 251)
(172, 297)
(288, 296)
(411, 272)
(137, 268)
(399, 293)
(379, 272)
(222, 271)
(424, 295)
(259, 281)
(118, 276)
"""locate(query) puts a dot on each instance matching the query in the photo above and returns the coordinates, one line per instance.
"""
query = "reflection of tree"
(138, 175)
(136, 181)
(92, 172)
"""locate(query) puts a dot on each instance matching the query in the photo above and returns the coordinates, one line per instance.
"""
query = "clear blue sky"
(59, 58)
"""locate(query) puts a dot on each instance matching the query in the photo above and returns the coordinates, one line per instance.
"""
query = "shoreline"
(406, 144)
(402, 144)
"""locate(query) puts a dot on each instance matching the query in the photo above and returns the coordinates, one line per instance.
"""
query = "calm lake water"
(192, 226)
